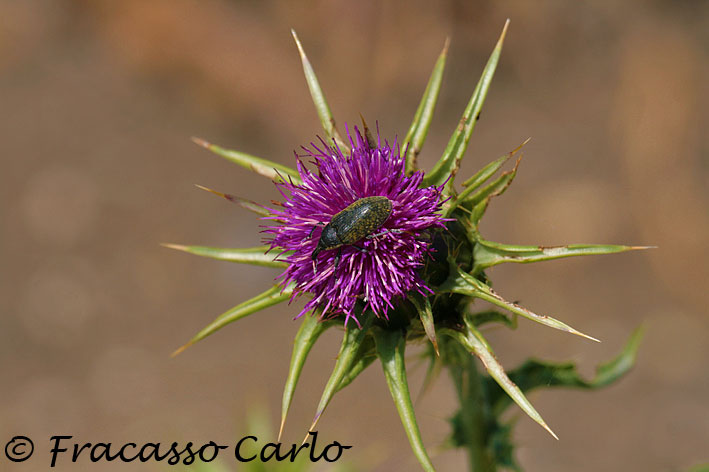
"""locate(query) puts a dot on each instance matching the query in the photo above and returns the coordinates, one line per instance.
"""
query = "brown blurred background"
(99, 100)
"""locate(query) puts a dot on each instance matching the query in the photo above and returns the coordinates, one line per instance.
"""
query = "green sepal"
(243, 202)
(272, 170)
(270, 297)
(466, 284)
(321, 106)
(481, 176)
(423, 306)
(492, 316)
(390, 349)
(489, 253)
(310, 330)
(468, 199)
(250, 255)
(445, 169)
(475, 217)
(534, 373)
(472, 421)
(493, 189)
(352, 341)
(364, 358)
(415, 137)
(474, 342)
(433, 370)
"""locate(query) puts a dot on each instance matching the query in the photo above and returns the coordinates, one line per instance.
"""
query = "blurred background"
(99, 100)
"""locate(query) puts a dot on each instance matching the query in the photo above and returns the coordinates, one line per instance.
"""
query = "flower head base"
(382, 266)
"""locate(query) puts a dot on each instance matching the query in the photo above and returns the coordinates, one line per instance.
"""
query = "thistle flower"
(384, 265)
(404, 279)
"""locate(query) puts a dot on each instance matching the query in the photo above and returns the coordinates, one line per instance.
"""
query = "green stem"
(473, 409)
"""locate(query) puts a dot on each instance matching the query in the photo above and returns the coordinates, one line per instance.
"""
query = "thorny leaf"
(476, 344)
(466, 284)
(488, 253)
(364, 358)
(468, 199)
(535, 373)
(245, 203)
(310, 330)
(491, 316)
(445, 169)
(351, 343)
(415, 137)
(423, 306)
(251, 255)
(494, 189)
(321, 106)
(390, 349)
(270, 297)
(270, 169)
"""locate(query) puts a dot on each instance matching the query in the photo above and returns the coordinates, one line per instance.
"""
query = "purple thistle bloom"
(385, 264)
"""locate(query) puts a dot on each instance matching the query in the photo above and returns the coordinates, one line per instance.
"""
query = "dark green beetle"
(358, 221)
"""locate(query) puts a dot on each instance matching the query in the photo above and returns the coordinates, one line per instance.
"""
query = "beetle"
(358, 221)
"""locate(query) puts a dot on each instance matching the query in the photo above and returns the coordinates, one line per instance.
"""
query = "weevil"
(358, 221)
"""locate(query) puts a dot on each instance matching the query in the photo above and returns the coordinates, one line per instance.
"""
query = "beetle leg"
(338, 257)
(384, 231)
(361, 249)
(310, 234)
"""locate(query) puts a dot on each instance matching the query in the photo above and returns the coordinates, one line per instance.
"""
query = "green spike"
(447, 166)
(493, 189)
(251, 255)
(390, 349)
(272, 170)
(365, 356)
(415, 137)
(466, 284)
(492, 316)
(356, 369)
(426, 315)
(310, 330)
(473, 341)
(476, 215)
(270, 297)
(248, 204)
(367, 134)
(351, 342)
(432, 372)
(489, 170)
(488, 253)
(321, 106)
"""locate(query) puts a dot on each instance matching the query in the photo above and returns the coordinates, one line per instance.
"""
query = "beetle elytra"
(359, 220)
